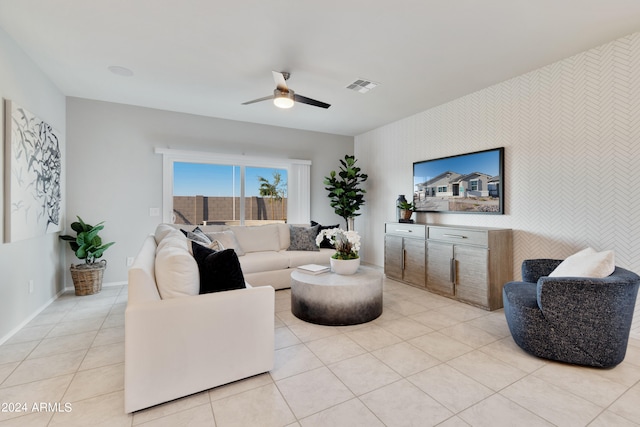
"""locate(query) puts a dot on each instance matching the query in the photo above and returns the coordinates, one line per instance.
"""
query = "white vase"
(345, 266)
(350, 224)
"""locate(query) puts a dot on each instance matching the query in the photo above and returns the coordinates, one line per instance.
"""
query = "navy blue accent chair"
(576, 320)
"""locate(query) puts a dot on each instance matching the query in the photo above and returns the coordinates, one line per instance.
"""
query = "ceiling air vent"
(362, 85)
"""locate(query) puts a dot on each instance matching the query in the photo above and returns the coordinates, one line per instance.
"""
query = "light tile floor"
(426, 361)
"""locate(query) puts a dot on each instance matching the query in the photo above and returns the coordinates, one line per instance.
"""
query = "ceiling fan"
(284, 97)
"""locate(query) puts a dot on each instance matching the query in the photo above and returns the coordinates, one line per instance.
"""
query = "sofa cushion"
(586, 263)
(257, 238)
(285, 238)
(298, 258)
(176, 270)
(219, 270)
(303, 238)
(173, 238)
(326, 243)
(255, 262)
(161, 231)
(227, 239)
(213, 228)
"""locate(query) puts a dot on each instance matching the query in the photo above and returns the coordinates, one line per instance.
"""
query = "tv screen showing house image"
(466, 183)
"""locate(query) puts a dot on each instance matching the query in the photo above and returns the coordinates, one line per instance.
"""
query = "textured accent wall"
(571, 133)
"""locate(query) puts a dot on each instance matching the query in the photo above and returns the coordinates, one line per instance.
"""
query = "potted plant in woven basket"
(87, 245)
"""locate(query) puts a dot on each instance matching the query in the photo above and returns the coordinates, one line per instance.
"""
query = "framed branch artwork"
(33, 169)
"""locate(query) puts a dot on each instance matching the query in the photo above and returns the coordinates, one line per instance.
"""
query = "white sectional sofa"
(264, 252)
(186, 343)
(180, 346)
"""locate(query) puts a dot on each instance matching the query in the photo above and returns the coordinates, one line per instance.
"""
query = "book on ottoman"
(313, 269)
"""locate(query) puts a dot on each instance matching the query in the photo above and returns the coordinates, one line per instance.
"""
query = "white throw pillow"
(228, 240)
(586, 263)
(176, 270)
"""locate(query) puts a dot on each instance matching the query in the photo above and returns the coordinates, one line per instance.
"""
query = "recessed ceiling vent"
(120, 71)
(362, 85)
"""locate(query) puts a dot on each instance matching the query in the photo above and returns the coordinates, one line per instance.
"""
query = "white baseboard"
(104, 285)
(47, 304)
(114, 284)
(30, 318)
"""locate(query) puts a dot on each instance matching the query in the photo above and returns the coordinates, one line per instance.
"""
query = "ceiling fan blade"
(258, 100)
(281, 82)
(305, 100)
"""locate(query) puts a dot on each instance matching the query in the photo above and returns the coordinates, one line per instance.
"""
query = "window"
(442, 189)
(221, 189)
(474, 185)
(206, 193)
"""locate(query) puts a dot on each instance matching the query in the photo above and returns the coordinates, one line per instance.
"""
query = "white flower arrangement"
(347, 243)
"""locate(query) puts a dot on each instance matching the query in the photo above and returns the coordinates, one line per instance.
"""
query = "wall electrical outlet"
(129, 261)
(154, 211)
(30, 286)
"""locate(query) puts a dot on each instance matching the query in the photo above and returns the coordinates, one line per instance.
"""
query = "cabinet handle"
(404, 251)
(403, 231)
(455, 236)
(452, 270)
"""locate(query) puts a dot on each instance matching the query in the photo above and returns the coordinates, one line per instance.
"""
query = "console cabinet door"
(440, 267)
(414, 262)
(471, 274)
(470, 264)
(393, 256)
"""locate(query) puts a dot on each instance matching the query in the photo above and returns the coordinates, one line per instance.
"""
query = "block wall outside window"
(220, 210)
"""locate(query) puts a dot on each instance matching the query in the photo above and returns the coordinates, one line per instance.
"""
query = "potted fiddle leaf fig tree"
(87, 245)
(345, 192)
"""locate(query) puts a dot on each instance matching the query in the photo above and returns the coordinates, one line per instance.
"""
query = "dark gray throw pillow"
(219, 270)
(303, 238)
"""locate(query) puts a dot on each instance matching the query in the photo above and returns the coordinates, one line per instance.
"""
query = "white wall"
(114, 176)
(572, 137)
(38, 259)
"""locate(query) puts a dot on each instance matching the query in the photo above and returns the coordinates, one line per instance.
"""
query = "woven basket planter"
(87, 278)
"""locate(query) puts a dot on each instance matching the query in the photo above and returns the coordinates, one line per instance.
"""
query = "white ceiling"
(206, 57)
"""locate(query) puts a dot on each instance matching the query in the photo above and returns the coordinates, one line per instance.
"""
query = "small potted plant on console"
(406, 210)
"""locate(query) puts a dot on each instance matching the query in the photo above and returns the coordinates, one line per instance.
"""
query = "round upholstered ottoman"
(333, 299)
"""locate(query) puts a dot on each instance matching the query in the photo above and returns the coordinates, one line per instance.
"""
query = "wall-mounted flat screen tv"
(466, 183)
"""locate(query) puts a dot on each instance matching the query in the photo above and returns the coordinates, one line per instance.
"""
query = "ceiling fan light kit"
(283, 97)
